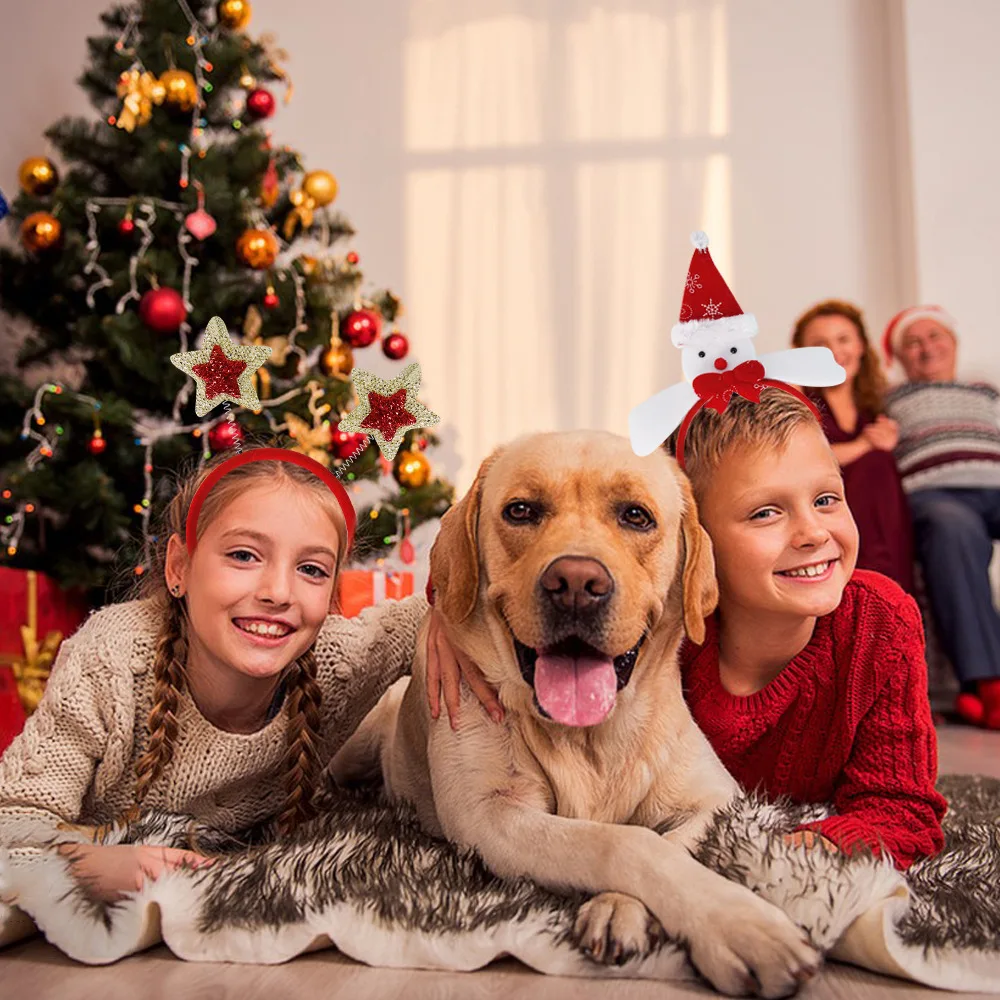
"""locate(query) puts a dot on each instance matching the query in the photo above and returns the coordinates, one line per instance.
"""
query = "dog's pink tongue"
(576, 691)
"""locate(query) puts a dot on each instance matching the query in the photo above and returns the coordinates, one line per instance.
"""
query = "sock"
(970, 709)
(989, 692)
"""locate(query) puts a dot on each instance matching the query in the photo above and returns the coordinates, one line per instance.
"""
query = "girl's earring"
(176, 590)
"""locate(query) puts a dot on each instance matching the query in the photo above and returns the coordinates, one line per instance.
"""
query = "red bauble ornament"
(126, 227)
(260, 103)
(395, 346)
(224, 435)
(352, 257)
(162, 310)
(343, 444)
(96, 445)
(361, 327)
(271, 300)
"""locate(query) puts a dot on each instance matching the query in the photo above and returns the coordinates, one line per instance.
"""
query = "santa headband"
(902, 321)
(719, 360)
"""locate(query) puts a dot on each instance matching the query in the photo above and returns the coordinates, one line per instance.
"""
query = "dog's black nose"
(576, 583)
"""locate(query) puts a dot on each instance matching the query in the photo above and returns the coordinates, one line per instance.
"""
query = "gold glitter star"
(222, 369)
(387, 409)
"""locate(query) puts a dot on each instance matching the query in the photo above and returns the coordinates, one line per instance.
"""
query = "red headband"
(269, 455)
(715, 390)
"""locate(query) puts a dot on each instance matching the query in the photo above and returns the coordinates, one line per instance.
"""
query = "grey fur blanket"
(364, 878)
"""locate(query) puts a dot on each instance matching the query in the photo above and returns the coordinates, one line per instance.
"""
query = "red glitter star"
(388, 413)
(220, 374)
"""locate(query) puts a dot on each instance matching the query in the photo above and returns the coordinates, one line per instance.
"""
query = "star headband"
(719, 360)
(223, 372)
(267, 455)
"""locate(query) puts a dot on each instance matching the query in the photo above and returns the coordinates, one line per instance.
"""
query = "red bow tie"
(715, 389)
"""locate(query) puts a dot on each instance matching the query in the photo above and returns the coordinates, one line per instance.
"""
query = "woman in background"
(862, 438)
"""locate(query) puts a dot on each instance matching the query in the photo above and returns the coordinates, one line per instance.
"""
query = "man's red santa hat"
(902, 321)
(710, 313)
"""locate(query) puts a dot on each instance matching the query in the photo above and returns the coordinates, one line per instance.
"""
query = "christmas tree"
(172, 207)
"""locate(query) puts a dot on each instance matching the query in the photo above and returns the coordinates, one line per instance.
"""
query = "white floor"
(36, 971)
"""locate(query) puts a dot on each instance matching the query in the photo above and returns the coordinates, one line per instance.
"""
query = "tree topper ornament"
(718, 359)
(387, 409)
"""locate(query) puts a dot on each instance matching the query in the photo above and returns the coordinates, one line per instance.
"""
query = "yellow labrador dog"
(569, 573)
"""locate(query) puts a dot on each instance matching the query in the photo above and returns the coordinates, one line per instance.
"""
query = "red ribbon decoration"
(716, 389)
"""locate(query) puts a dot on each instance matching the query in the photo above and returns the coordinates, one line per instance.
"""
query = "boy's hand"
(111, 872)
(446, 668)
(809, 838)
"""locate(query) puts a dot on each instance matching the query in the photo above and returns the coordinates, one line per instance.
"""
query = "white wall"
(526, 173)
(954, 99)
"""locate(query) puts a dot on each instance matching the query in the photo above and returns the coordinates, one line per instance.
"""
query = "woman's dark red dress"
(877, 501)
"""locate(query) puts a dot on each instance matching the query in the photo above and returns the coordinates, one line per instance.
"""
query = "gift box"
(35, 615)
(358, 589)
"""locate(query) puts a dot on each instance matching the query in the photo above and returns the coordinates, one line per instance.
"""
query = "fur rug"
(364, 878)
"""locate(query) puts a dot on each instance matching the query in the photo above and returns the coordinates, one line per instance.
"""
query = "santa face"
(718, 357)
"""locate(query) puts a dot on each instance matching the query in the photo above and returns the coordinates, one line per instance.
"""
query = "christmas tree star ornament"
(139, 91)
(313, 441)
(387, 409)
(222, 369)
(719, 360)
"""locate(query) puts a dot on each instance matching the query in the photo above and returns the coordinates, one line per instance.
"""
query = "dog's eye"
(732, 350)
(636, 516)
(521, 512)
(701, 354)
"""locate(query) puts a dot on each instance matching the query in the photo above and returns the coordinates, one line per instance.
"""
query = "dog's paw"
(613, 929)
(748, 947)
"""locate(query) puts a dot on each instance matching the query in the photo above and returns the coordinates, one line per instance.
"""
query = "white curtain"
(556, 156)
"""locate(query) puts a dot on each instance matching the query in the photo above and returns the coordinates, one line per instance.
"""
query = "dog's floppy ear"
(455, 553)
(699, 589)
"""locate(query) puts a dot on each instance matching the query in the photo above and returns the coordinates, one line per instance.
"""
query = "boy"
(811, 682)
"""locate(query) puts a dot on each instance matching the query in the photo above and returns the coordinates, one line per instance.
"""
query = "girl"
(221, 692)
(862, 438)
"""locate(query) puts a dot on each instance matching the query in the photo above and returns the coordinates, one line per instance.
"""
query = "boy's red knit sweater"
(847, 722)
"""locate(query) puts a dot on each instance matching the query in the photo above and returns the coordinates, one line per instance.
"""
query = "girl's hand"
(109, 872)
(809, 838)
(446, 668)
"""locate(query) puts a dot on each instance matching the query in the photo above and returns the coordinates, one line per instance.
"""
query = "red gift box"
(358, 589)
(35, 614)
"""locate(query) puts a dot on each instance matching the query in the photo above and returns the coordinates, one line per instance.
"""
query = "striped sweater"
(949, 435)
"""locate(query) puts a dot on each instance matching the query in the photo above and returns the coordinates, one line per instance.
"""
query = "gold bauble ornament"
(40, 231)
(234, 14)
(412, 469)
(321, 186)
(257, 248)
(337, 359)
(38, 176)
(180, 89)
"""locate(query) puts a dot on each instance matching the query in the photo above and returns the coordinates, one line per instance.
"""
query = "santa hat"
(709, 312)
(902, 321)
